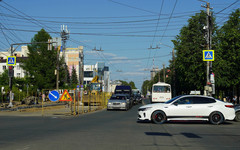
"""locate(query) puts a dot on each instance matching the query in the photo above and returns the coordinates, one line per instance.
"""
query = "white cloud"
(133, 73)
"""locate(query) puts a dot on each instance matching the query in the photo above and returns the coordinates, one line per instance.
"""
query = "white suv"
(188, 107)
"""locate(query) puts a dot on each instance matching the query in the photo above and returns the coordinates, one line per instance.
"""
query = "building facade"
(20, 55)
(72, 59)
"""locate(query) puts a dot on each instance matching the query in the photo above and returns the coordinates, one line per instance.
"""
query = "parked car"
(118, 101)
(237, 112)
(188, 107)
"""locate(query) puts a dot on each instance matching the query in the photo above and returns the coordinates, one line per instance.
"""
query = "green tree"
(189, 66)
(41, 63)
(227, 55)
(124, 82)
(132, 84)
(4, 79)
(74, 79)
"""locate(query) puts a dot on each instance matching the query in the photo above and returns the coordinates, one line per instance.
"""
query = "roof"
(161, 83)
(119, 95)
(123, 87)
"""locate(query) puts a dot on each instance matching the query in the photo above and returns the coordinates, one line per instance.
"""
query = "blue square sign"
(208, 55)
(11, 60)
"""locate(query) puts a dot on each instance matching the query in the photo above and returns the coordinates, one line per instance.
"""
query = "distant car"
(127, 90)
(237, 112)
(188, 107)
(118, 101)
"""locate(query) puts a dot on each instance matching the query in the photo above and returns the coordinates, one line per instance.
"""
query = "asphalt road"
(113, 130)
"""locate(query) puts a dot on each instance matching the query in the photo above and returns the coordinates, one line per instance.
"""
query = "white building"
(20, 55)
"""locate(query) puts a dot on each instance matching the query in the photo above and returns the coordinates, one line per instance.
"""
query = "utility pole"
(81, 72)
(65, 37)
(164, 76)
(208, 36)
(57, 70)
(157, 47)
(81, 66)
(173, 73)
(11, 75)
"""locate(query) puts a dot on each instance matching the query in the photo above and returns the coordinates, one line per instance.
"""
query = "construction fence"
(78, 103)
(39, 103)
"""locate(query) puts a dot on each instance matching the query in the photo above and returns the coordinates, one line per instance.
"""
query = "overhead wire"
(155, 31)
(226, 16)
(227, 7)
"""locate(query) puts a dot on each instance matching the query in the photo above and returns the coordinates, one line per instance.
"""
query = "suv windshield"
(118, 98)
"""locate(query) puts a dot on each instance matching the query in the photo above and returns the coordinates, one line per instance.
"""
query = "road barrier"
(78, 105)
(39, 104)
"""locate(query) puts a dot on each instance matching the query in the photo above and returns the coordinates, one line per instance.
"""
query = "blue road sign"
(208, 55)
(53, 96)
(11, 60)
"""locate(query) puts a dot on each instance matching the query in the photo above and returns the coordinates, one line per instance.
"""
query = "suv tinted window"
(202, 100)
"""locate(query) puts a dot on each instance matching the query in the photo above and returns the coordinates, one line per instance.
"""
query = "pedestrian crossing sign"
(11, 60)
(208, 55)
(65, 96)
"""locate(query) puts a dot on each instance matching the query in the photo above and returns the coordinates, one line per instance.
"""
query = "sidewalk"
(49, 111)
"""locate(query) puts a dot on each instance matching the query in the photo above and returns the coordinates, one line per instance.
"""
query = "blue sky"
(124, 29)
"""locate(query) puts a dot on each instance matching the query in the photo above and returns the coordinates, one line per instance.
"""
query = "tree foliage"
(227, 60)
(190, 68)
(74, 79)
(41, 63)
(131, 84)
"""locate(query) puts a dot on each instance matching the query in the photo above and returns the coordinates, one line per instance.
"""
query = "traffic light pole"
(10, 80)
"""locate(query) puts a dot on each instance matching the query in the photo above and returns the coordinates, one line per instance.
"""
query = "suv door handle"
(189, 106)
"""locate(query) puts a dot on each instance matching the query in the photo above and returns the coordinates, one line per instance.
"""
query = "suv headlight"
(144, 109)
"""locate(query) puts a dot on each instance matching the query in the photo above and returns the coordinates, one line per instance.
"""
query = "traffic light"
(10, 71)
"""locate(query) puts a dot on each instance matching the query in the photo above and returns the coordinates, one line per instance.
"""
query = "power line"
(142, 58)
(158, 21)
(227, 7)
(133, 7)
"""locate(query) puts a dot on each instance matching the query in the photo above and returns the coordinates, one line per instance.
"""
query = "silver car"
(118, 101)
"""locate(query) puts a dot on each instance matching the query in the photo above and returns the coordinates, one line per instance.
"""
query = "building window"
(18, 67)
(18, 75)
(4, 67)
(88, 73)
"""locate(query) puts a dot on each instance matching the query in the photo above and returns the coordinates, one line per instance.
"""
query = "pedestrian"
(12, 96)
(43, 96)
(234, 100)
